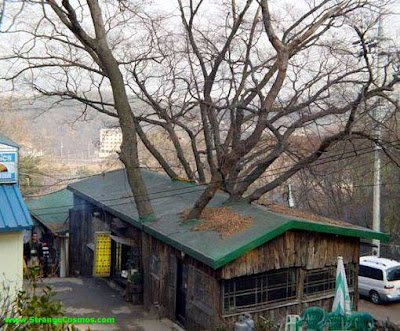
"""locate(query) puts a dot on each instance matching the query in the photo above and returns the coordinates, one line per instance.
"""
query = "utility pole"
(377, 116)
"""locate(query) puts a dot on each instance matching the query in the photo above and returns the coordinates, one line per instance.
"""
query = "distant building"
(110, 142)
(14, 219)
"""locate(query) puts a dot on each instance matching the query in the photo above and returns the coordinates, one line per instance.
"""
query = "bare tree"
(238, 80)
(247, 98)
(88, 40)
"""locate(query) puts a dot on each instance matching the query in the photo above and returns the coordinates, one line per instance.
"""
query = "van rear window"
(393, 274)
(370, 272)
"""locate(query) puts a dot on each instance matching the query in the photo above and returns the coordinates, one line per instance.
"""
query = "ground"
(382, 312)
(92, 297)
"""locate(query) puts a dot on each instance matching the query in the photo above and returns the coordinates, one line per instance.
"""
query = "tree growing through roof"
(237, 79)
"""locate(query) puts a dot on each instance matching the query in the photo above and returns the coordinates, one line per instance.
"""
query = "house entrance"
(181, 284)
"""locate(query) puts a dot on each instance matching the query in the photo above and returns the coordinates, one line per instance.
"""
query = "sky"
(391, 27)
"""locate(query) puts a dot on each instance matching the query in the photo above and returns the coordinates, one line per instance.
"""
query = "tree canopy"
(237, 80)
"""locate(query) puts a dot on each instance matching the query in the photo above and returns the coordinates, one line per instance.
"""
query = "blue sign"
(8, 167)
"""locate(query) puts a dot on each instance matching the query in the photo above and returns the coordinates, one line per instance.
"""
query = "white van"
(379, 279)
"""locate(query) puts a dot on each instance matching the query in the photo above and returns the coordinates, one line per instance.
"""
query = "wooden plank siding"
(299, 249)
(160, 288)
(81, 257)
(309, 250)
(82, 227)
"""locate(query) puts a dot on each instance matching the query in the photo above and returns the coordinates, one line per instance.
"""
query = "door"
(172, 286)
(181, 290)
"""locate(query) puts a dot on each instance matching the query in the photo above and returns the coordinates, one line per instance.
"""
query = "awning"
(124, 241)
(14, 215)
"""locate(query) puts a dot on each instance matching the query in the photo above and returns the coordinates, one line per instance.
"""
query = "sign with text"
(102, 254)
(8, 167)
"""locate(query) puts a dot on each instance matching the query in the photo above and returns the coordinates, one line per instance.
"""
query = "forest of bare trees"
(252, 86)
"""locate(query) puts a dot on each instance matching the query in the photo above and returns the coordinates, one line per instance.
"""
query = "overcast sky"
(391, 23)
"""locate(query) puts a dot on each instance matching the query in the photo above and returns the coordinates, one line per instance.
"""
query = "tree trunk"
(129, 149)
(206, 196)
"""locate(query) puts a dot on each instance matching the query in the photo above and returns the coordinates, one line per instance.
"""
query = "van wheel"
(375, 298)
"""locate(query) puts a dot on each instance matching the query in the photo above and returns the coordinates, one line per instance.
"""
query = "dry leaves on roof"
(278, 208)
(224, 220)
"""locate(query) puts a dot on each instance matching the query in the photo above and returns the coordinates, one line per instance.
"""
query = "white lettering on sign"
(6, 158)
(8, 167)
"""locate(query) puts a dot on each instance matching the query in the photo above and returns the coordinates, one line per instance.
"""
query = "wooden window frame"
(328, 284)
(261, 291)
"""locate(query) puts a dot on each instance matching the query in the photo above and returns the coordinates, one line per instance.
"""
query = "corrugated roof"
(111, 192)
(14, 215)
(7, 141)
(52, 210)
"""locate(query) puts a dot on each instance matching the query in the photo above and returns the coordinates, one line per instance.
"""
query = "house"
(50, 214)
(14, 219)
(275, 265)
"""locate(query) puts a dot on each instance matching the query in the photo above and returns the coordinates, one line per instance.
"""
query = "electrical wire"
(272, 174)
(152, 199)
(387, 144)
(202, 187)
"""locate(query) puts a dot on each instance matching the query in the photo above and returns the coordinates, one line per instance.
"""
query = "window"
(323, 280)
(370, 272)
(376, 274)
(393, 274)
(245, 293)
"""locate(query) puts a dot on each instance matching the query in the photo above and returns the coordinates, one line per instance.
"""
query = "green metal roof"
(52, 210)
(7, 141)
(111, 192)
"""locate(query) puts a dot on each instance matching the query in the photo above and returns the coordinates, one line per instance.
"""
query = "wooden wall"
(82, 227)
(302, 249)
(80, 256)
(160, 289)
(309, 250)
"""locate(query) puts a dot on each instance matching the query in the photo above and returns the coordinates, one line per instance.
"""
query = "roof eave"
(298, 225)
(15, 229)
(292, 224)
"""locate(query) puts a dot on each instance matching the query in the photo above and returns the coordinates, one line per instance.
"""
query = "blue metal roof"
(14, 215)
(7, 141)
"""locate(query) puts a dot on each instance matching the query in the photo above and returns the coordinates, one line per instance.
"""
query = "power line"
(272, 174)
(202, 187)
(388, 144)
(152, 199)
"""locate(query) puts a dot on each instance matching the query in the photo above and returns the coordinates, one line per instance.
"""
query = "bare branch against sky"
(231, 84)
(2, 8)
